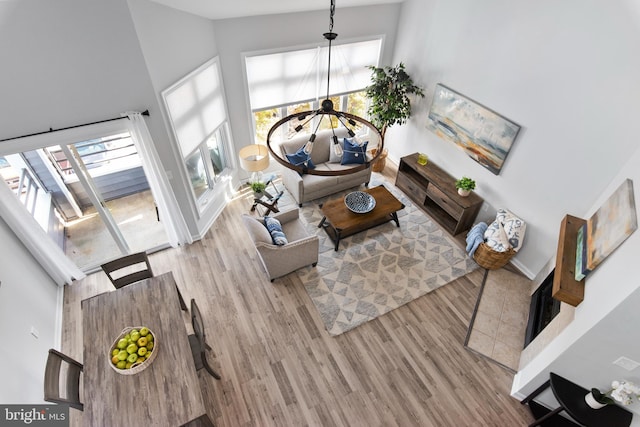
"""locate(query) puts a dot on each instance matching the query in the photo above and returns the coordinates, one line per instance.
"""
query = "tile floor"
(501, 320)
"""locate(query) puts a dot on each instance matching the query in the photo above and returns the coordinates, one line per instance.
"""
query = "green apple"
(122, 344)
(144, 331)
(121, 364)
(122, 355)
(149, 337)
(115, 352)
(132, 348)
(149, 345)
(133, 357)
(142, 351)
(142, 342)
(135, 335)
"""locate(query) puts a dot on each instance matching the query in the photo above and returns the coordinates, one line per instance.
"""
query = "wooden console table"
(571, 399)
(434, 190)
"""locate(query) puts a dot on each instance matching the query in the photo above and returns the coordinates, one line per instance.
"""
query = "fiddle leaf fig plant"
(389, 94)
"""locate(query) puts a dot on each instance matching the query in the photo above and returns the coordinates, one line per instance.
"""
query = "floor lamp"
(254, 158)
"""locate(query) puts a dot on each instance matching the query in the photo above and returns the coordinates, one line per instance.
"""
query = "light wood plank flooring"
(281, 368)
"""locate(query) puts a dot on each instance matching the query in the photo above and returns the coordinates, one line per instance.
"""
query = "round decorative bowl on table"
(142, 361)
(359, 202)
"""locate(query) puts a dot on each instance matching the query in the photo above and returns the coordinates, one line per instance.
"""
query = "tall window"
(287, 82)
(198, 118)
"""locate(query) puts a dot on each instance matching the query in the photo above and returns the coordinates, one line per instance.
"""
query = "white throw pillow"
(515, 228)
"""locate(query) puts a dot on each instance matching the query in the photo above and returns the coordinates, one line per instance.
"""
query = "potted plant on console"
(465, 185)
(623, 391)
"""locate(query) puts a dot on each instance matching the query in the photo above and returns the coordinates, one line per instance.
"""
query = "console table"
(571, 399)
(434, 190)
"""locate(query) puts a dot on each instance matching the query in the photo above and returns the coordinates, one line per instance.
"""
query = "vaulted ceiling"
(217, 9)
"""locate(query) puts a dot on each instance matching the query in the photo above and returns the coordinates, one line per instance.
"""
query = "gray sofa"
(310, 187)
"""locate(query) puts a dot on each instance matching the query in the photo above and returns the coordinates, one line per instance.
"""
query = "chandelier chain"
(332, 10)
(327, 109)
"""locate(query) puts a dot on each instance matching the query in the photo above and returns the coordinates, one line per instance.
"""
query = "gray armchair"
(278, 261)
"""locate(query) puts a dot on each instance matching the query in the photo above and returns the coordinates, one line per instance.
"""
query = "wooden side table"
(571, 399)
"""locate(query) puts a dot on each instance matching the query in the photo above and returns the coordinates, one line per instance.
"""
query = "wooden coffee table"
(338, 221)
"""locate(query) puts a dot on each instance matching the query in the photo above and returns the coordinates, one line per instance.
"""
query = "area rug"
(380, 269)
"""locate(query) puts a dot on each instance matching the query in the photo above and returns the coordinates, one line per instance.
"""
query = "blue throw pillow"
(300, 158)
(354, 153)
(275, 229)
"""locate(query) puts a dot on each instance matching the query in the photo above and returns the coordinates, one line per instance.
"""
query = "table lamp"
(254, 158)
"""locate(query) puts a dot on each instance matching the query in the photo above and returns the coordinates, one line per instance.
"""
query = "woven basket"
(491, 260)
(379, 164)
(138, 366)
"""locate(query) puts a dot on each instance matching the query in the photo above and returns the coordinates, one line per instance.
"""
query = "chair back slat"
(197, 322)
(200, 348)
(120, 272)
(62, 380)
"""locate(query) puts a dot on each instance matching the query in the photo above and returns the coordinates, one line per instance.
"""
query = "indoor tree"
(389, 94)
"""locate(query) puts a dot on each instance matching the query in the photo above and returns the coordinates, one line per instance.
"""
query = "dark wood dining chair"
(130, 269)
(198, 342)
(62, 380)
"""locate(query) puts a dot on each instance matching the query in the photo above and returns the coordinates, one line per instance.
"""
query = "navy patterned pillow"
(354, 153)
(275, 229)
(300, 158)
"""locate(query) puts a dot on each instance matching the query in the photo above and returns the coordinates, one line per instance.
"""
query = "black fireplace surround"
(542, 310)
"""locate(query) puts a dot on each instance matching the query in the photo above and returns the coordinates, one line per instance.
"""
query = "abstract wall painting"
(611, 225)
(483, 134)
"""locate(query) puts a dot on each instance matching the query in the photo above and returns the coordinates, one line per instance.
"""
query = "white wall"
(604, 323)
(28, 297)
(262, 33)
(564, 71)
(173, 44)
(567, 73)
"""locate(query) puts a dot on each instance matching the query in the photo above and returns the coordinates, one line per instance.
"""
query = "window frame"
(315, 102)
(202, 202)
(281, 135)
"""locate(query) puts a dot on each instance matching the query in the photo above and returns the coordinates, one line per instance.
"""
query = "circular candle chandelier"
(326, 111)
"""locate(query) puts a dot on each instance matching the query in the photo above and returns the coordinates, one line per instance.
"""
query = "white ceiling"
(219, 9)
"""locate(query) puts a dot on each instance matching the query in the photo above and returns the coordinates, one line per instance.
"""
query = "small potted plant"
(624, 392)
(258, 187)
(465, 185)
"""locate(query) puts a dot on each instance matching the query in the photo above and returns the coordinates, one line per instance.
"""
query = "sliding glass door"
(91, 197)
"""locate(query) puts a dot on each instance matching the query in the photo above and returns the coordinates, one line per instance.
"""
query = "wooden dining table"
(167, 392)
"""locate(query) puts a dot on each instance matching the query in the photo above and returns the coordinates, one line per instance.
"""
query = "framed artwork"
(480, 132)
(612, 223)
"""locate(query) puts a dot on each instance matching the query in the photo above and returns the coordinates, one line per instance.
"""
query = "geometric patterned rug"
(380, 269)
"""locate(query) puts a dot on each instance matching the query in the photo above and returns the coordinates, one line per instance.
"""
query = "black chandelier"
(347, 120)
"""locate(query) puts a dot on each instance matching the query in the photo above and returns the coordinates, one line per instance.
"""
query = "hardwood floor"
(280, 367)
